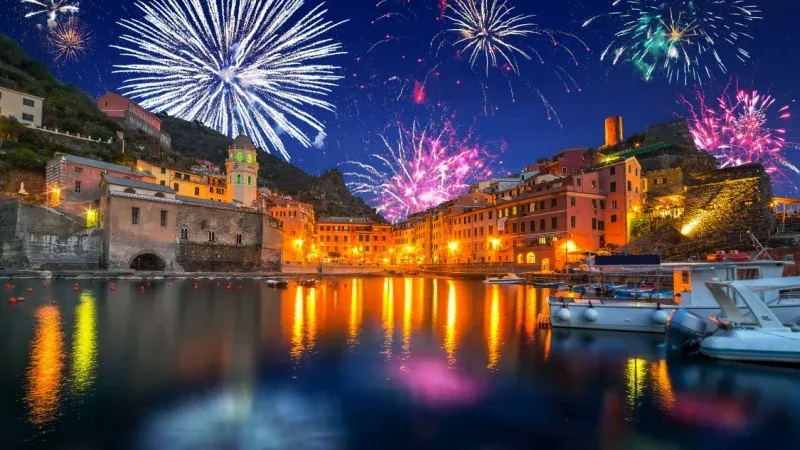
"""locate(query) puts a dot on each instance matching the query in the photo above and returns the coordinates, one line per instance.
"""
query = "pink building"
(133, 115)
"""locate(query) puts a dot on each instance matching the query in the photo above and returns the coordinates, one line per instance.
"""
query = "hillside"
(326, 192)
(69, 109)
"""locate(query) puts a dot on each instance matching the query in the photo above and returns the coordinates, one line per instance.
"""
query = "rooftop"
(20, 92)
(138, 184)
(98, 164)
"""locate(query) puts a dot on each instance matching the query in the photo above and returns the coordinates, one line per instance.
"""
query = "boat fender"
(590, 314)
(660, 316)
(563, 314)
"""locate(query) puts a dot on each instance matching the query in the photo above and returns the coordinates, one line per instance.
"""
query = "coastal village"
(652, 192)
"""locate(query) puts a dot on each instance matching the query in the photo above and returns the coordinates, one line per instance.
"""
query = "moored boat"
(277, 282)
(509, 278)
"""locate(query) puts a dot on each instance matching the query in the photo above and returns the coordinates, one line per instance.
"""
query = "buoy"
(12, 300)
(660, 316)
(30, 289)
(8, 285)
(590, 314)
(112, 287)
(75, 288)
(564, 315)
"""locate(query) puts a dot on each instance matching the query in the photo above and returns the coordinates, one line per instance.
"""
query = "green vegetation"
(69, 109)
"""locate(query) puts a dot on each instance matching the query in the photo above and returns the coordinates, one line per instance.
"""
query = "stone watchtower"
(242, 169)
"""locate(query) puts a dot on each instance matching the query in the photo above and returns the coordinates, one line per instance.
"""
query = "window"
(613, 218)
(27, 117)
(594, 223)
(564, 170)
(239, 238)
(554, 222)
(579, 182)
(196, 191)
(629, 186)
(491, 230)
(212, 237)
(163, 170)
(541, 224)
(176, 187)
(249, 158)
(186, 176)
(239, 156)
(594, 203)
(28, 102)
(613, 171)
(541, 204)
(77, 186)
(184, 233)
(601, 225)
(572, 221)
(613, 204)
(163, 183)
(594, 183)
(521, 227)
(602, 204)
(533, 226)
(249, 180)
(553, 202)
(238, 179)
(490, 215)
(163, 219)
(514, 228)
(612, 187)
(79, 170)
(135, 216)
(629, 168)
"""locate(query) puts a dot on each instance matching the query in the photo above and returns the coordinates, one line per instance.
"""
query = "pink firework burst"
(420, 169)
(736, 128)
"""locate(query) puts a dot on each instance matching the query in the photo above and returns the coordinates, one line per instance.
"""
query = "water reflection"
(84, 344)
(634, 377)
(387, 316)
(450, 344)
(46, 364)
(297, 325)
(356, 312)
(407, 291)
(493, 329)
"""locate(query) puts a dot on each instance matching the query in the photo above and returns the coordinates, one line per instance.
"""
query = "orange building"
(354, 239)
(297, 222)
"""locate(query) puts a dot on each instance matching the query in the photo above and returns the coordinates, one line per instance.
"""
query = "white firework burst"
(487, 28)
(238, 66)
(52, 8)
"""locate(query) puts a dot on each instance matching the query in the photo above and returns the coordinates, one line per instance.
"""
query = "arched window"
(230, 155)
(238, 179)
(239, 156)
(239, 238)
(249, 158)
(212, 237)
(159, 195)
(130, 191)
(249, 180)
(184, 233)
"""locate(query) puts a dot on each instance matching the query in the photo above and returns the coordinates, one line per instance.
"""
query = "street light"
(453, 246)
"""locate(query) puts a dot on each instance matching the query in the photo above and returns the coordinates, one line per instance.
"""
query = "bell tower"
(241, 167)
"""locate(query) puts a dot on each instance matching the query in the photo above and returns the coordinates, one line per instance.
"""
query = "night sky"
(366, 104)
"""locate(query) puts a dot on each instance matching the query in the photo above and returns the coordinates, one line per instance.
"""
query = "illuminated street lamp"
(453, 246)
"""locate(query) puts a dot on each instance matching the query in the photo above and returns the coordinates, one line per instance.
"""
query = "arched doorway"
(545, 264)
(519, 258)
(148, 262)
(530, 258)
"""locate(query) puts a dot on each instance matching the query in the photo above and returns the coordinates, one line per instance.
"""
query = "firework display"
(420, 168)
(686, 40)
(51, 8)
(738, 127)
(238, 66)
(69, 40)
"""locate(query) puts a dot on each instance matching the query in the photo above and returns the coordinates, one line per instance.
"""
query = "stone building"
(149, 227)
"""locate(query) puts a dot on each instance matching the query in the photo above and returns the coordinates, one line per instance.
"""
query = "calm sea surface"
(358, 363)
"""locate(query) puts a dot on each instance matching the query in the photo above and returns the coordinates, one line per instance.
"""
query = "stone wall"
(664, 182)
(37, 237)
(208, 257)
(34, 181)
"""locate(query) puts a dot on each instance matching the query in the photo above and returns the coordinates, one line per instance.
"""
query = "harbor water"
(361, 363)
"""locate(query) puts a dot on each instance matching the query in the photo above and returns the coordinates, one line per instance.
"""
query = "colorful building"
(354, 239)
(203, 186)
(26, 108)
(296, 219)
(132, 115)
(241, 168)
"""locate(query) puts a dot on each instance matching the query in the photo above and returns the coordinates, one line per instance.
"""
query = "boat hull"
(753, 346)
(639, 316)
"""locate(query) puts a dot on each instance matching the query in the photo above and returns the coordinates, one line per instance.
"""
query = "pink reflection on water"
(432, 383)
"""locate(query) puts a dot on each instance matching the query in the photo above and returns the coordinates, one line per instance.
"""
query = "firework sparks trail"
(238, 66)
(485, 33)
(737, 130)
(686, 39)
(421, 169)
(69, 40)
(52, 8)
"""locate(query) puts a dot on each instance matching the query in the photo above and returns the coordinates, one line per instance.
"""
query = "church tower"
(242, 169)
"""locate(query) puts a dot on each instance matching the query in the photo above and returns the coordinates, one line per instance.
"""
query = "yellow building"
(186, 183)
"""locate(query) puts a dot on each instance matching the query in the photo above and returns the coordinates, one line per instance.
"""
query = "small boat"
(754, 334)
(309, 282)
(547, 284)
(509, 278)
(277, 283)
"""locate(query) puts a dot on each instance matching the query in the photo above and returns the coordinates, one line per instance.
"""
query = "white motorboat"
(509, 278)
(690, 292)
(277, 282)
(747, 329)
